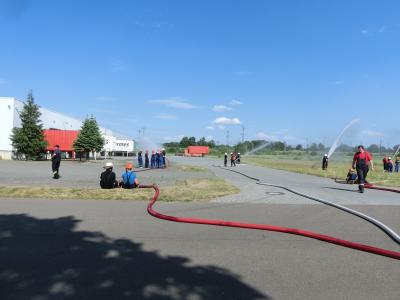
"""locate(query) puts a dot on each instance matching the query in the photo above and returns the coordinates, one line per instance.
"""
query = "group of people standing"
(157, 160)
(235, 159)
(388, 164)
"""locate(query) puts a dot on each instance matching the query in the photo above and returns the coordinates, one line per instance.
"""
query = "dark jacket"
(107, 179)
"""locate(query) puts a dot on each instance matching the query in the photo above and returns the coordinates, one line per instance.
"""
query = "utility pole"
(243, 134)
(380, 146)
(143, 130)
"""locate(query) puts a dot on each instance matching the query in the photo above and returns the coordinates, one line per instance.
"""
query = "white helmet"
(226, 153)
(389, 157)
(239, 153)
(326, 154)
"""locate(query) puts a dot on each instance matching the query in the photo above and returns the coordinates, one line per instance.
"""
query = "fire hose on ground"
(295, 231)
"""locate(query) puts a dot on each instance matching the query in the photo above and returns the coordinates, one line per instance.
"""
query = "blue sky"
(297, 71)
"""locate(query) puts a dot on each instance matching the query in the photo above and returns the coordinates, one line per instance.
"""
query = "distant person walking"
(361, 161)
(140, 159)
(325, 162)
(56, 161)
(225, 159)
(238, 158)
(146, 159)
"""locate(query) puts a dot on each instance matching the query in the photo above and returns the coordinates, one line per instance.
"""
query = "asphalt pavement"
(94, 249)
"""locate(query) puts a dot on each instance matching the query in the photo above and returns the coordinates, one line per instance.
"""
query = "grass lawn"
(187, 190)
(337, 168)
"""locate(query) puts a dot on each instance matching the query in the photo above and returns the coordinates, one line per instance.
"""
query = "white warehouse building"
(115, 144)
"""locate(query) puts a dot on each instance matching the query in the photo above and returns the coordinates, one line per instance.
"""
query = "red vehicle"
(197, 151)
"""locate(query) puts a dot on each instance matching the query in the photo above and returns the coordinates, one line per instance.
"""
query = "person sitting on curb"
(129, 179)
(107, 178)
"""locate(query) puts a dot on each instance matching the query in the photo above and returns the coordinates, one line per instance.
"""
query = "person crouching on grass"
(129, 179)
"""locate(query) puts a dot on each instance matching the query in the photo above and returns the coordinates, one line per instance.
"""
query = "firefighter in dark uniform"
(361, 161)
(225, 159)
(55, 162)
(325, 162)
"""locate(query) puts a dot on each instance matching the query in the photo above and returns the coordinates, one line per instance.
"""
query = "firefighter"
(225, 159)
(361, 161)
(325, 162)
(164, 157)
(146, 159)
(238, 158)
(56, 161)
(129, 179)
(153, 159)
(233, 160)
(140, 159)
(107, 178)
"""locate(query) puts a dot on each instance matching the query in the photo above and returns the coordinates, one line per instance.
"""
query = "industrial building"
(59, 129)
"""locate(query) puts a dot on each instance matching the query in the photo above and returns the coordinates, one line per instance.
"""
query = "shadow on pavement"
(45, 259)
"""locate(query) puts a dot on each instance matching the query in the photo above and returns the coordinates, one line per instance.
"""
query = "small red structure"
(197, 151)
(64, 138)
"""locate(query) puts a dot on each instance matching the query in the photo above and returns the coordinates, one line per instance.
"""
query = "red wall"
(198, 149)
(64, 138)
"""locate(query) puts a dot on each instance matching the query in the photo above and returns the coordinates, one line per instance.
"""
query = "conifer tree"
(89, 138)
(29, 139)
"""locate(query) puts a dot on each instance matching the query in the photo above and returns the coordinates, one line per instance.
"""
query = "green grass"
(337, 168)
(187, 190)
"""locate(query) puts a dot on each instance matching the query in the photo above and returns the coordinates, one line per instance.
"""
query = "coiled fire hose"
(309, 234)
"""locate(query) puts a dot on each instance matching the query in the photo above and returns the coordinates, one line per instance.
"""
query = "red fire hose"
(309, 234)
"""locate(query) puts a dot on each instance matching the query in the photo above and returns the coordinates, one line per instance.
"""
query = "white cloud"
(210, 127)
(164, 116)
(226, 121)
(339, 82)
(174, 103)
(236, 102)
(364, 31)
(373, 133)
(221, 108)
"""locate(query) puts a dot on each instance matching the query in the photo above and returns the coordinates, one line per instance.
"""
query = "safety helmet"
(129, 166)
(226, 153)
(389, 157)
(108, 165)
(325, 155)
(231, 153)
(239, 153)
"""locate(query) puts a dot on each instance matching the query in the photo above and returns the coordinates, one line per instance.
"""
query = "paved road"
(113, 250)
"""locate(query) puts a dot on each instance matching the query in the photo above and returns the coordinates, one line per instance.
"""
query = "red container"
(64, 138)
(197, 150)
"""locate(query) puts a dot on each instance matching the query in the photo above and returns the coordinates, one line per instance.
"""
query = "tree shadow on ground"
(42, 259)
